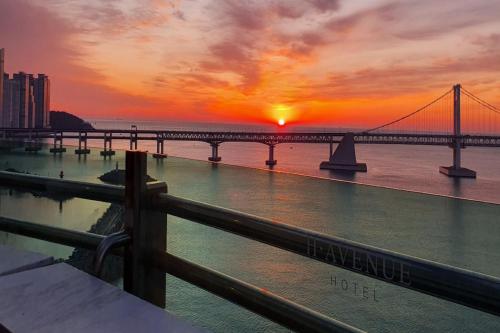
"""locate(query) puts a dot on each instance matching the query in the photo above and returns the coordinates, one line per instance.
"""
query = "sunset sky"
(340, 63)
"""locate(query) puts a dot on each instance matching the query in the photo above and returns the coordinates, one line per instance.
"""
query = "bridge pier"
(271, 161)
(58, 144)
(33, 145)
(108, 150)
(160, 154)
(344, 157)
(133, 141)
(82, 144)
(456, 170)
(215, 152)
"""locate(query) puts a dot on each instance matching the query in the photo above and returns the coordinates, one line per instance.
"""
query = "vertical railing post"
(148, 231)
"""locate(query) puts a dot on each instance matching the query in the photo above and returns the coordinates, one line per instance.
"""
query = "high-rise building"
(15, 98)
(41, 88)
(23, 100)
(8, 86)
(2, 54)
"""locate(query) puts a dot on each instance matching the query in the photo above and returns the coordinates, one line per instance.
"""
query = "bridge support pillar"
(58, 144)
(33, 145)
(456, 169)
(160, 154)
(108, 150)
(344, 157)
(215, 152)
(133, 141)
(82, 144)
(271, 161)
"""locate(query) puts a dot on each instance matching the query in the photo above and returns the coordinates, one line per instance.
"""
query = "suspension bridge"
(456, 119)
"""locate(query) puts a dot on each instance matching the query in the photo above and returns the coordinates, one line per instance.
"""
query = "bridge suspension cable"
(481, 101)
(423, 108)
(437, 117)
(479, 117)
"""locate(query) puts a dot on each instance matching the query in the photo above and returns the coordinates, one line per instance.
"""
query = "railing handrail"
(462, 286)
(73, 238)
(77, 189)
(469, 288)
(476, 290)
(274, 307)
(260, 301)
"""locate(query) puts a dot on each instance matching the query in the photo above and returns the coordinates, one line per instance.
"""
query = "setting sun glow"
(282, 114)
(308, 62)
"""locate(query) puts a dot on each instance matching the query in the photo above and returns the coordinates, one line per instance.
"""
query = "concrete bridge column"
(33, 145)
(344, 157)
(457, 144)
(58, 144)
(108, 140)
(271, 161)
(160, 148)
(82, 140)
(133, 141)
(215, 152)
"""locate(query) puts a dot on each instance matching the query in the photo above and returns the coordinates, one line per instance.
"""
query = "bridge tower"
(457, 144)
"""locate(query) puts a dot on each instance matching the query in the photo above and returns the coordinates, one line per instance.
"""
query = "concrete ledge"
(271, 162)
(82, 151)
(14, 261)
(215, 159)
(57, 150)
(327, 165)
(161, 156)
(459, 173)
(60, 298)
(107, 152)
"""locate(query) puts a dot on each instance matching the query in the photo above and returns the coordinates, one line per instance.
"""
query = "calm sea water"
(413, 168)
(458, 232)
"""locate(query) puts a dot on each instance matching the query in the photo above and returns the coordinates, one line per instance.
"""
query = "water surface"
(457, 232)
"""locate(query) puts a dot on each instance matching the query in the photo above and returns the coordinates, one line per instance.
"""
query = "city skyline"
(24, 98)
(309, 62)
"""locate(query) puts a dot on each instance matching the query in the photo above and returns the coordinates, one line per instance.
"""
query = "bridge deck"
(258, 137)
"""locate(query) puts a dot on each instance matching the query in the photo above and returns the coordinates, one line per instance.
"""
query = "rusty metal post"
(147, 228)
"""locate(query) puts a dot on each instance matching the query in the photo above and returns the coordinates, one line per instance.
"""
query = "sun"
(281, 113)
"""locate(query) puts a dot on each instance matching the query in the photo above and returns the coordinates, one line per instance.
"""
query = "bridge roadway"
(258, 137)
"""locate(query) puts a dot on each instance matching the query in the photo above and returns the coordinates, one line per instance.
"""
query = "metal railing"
(146, 259)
